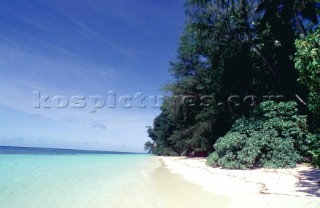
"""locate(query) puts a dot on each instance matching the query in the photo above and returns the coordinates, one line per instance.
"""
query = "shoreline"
(158, 187)
(173, 191)
(263, 188)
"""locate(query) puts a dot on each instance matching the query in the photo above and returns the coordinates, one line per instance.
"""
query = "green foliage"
(307, 62)
(315, 153)
(239, 47)
(148, 146)
(276, 138)
(168, 152)
(314, 150)
(159, 133)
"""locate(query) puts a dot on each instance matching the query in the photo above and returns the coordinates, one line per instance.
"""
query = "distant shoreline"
(48, 150)
(263, 188)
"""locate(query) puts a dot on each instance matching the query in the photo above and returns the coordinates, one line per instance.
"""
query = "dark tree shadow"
(309, 182)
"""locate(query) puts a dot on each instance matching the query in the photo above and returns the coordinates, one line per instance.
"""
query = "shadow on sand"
(309, 182)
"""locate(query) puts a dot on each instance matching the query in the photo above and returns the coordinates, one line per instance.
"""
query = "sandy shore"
(171, 190)
(158, 187)
(262, 188)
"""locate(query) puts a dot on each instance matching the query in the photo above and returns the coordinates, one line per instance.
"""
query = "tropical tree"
(227, 48)
(307, 62)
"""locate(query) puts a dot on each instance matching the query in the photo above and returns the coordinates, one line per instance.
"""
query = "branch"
(300, 25)
(300, 99)
(253, 44)
(251, 5)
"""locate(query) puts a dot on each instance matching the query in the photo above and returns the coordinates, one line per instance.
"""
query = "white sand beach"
(262, 188)
(158, 187)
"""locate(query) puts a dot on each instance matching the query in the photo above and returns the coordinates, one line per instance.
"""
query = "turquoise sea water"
(33, 179)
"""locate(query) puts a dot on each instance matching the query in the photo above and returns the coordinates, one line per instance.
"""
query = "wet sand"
(173, 191)
(158, 187)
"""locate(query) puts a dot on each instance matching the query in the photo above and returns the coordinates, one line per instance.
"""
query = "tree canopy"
(234, 54)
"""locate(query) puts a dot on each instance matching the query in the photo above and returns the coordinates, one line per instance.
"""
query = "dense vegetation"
(275, 137)
(307, 61)
(233, 55)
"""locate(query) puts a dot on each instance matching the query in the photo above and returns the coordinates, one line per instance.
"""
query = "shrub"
(315, 150)
(315, 153)
(307, 60)
(168, 152)
(276, 138)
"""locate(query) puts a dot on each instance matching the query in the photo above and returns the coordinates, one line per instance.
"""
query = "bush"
(276, 138)
(315, 150)
(307, 60)
(315, 153)
(168, 152)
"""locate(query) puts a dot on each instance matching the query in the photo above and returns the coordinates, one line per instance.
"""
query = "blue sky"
(83, 47)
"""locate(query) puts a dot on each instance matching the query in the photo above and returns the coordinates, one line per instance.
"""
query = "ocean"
(54, 178)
